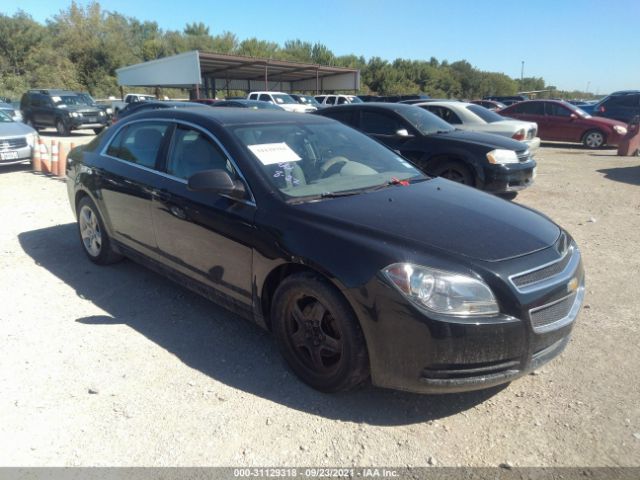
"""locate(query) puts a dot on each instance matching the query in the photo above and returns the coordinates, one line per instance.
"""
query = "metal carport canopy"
(195, 69)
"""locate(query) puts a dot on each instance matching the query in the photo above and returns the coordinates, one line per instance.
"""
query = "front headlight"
(101, 113)
(501, 157)
(442, 292)
(109, 111)
(31, 139)
(620, 130)
(73, 114)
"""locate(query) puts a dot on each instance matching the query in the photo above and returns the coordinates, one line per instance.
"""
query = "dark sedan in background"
(489, 162)
(145, 106)
(560, 121)
(243, 103)
(361, 266)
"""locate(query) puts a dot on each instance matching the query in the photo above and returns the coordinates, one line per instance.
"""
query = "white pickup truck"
(118, 105)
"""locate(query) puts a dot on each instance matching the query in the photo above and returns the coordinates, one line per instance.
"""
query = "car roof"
(231, 116)
(394, 107)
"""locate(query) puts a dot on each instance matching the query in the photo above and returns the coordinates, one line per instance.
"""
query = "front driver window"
(194, 152)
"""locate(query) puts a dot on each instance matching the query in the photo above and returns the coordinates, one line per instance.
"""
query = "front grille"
(554, 312)
(541, 274)
(12, 143)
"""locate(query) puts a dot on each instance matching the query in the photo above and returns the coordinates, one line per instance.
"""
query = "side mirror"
(573, 116)
(217, 181)
(403, 132)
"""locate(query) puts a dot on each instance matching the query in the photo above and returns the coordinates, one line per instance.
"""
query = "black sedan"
(243, 103)
(138, 107)
(488, 162)
(361, 266)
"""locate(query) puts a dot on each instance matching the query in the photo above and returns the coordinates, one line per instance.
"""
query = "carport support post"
(317, 82)
(197, 87)
(266, 76)
(121, 93)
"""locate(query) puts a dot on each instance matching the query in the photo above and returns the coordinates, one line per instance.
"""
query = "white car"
(469, 116)
(283, 100)
(329, 100)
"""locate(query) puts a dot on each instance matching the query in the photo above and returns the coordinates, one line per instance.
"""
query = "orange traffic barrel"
(35, 155)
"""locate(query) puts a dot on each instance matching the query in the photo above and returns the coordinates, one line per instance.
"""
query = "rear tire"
(593, 139)
(94, 238)
(453, 170)
(62, 129)
(30, 123)
(98, 130)
(318, 334)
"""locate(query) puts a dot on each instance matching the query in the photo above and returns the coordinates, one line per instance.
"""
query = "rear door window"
(139, 143)
(533, 108)
(556, 110)
(265, 98)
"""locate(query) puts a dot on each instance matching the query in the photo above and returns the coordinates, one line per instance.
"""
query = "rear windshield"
(485, 114)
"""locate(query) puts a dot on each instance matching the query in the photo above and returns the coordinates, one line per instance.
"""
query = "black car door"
(129, 178)
(205, 235)
(386, 128)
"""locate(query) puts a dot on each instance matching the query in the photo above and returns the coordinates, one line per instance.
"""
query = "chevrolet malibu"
(362, 268)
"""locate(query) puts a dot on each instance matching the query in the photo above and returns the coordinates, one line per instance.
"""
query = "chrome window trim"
(571, 266)
(103, 152)
(569, 318)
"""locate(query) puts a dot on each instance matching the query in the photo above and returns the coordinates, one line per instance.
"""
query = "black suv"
(623, 106)
(62, 109)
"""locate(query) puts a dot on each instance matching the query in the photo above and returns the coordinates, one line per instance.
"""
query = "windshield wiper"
(339, 194)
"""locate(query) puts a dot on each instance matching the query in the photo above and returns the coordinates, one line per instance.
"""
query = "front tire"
(318, 334)
(93, 236)
(62, 129)
(453, 170)
(593, 139)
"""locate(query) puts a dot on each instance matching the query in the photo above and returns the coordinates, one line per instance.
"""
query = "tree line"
(81, 47)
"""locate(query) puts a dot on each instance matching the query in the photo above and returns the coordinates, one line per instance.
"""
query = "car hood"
(12, 129)
(440, 214)
(606, 122)
(488, 140)
(81, 108)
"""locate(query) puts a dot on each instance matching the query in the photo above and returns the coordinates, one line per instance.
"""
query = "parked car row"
(363, 268)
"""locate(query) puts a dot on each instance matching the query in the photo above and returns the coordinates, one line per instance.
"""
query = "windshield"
(426, 122)
(86, 99)
(312, 160)
(485, 114)
(4, 118)
(66, 100)
(281, 98)
(309, 100)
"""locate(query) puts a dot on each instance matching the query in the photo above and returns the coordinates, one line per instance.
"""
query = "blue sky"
(572, 44)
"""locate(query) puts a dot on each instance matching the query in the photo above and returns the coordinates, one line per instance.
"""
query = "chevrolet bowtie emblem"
(572, 286)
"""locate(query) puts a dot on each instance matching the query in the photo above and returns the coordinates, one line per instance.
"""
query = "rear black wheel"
(453, 170)
(62, 129)
(318, 334)
(98, 130)
(93, 236)
(29, 122)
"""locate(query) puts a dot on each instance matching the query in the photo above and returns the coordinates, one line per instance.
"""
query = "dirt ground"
(118, 366)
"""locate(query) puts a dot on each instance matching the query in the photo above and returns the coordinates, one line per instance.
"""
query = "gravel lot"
(118, 366)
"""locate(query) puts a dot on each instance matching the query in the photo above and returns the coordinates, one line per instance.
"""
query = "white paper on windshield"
(56, 99)
(272, 153)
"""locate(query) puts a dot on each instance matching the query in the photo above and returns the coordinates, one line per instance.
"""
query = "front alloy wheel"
(593, 139)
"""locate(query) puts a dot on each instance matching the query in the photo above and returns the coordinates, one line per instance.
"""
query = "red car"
(561, 121)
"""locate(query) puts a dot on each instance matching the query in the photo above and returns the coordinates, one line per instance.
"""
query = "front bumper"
(79, 123)
(509, 178)
(21, 155)
(424, 353)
